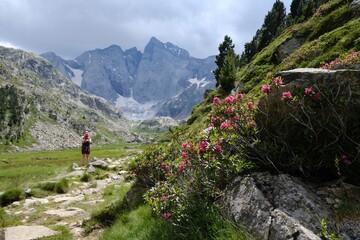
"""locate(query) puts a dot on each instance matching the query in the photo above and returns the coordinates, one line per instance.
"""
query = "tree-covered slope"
(332, 31)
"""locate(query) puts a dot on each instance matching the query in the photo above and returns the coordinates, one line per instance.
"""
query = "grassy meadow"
(24, 169)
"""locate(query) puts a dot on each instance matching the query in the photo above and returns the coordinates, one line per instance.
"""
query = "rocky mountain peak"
(142, 85)
(176, 51)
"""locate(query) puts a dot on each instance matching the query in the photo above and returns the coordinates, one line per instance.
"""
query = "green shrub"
(85, 177)
(107, 215)
(58, 187)
(187, 174)
(11, 196)
(315, 132)
(2, 213)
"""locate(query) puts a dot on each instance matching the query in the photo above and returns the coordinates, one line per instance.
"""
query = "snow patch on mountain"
(199, 82)
(134, 110)
(77, 79)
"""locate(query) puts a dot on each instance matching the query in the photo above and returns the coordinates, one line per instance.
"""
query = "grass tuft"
(11, 196)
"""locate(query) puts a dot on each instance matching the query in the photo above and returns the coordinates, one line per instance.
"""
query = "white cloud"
(8, 45)
(71, 27)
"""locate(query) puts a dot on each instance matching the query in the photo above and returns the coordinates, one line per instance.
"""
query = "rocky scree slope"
(45, 110)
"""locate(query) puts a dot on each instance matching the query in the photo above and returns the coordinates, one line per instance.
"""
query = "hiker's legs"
(87, 158)
(83, 160)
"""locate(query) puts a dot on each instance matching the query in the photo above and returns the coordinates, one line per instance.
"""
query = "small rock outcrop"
(28, 232)
(287, 48)
(319, 75)
(283, 207)
(355, 8)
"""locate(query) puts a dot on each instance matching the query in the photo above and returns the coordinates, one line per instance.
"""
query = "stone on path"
(35, 201)
(28, 232)
(68, 212)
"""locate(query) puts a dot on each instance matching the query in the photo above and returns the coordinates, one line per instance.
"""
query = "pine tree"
(294, 7)
(228, 72)
(274, 23)
(225, 47)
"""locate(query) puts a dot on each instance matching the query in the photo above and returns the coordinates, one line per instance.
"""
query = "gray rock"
(355, 8)
(135, 196)
(275, 207)
(99, 163)
(287, 48)
(313, 75)
(247, 204)
(286, 227)
(75, 167)
(72, 200)
(123, 172)
(28, 232)
(29, 202)
(15, 204)
(68, 199)
(90, 169)
(68, 212)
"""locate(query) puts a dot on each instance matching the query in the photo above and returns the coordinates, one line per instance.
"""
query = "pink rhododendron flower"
(182, 166)
(164, 197)
(239, 96)
(286, 95)
(167, 215)
(224, 125)
(265, 88)
(316, 97)
(308, 91)
(202, 146)
(213, 119)
(345, 159)
(250, 105)
(184, 155)
(218, 149)
(229, 99)
(251, 124)
(277, 81)
(229, 110)
(185, 145)
(236, 117)
(164, 165)
(216, 100)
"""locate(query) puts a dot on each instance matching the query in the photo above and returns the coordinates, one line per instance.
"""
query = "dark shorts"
(85, 149)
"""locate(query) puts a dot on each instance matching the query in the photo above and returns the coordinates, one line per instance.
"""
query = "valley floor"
(64, 214)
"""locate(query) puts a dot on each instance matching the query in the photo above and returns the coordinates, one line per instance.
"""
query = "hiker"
(85, 148)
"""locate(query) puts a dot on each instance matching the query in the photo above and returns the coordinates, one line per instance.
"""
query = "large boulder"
(287, 48)
(285, 207)
(355, 8)
(318, 75)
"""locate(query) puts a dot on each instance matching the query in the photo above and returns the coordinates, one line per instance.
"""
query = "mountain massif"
(42, 109)
(163, 81)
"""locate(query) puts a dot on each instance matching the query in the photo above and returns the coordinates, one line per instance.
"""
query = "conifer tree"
(294, 8)
(224, 48)
(228, 72)
(274, 23)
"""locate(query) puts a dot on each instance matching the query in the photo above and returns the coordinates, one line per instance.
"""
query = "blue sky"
(71, 27)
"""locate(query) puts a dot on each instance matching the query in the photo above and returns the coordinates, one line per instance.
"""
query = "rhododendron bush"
(308, 129)
(347, 61)
(187, 174)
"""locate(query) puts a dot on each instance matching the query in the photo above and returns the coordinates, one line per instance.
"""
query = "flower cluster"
(287, 95)
(352, 58)
(204, 163)
(275, 82)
